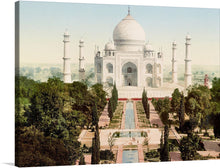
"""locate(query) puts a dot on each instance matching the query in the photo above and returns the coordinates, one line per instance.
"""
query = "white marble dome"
(109, 46)
(129, 29)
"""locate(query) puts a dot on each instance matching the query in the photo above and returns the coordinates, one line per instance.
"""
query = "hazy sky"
(42, 25)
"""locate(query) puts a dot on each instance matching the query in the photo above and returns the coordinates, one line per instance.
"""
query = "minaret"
(81, 61)
(188, 74)
(66, 59)
(174, 64)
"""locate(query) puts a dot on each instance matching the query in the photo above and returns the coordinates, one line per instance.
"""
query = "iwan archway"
(129, 74)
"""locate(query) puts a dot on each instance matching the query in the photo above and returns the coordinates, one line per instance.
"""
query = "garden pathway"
(104, 118)
(154, 117)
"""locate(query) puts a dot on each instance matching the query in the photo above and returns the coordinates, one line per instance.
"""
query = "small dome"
(109, 46)
(129, 30)
(66, 33)
(188, 37)
(148, 47)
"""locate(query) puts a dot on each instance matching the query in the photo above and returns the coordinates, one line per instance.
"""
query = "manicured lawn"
(142, 120)
(117, 117)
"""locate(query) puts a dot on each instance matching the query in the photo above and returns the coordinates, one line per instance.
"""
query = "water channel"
(130, 156)
(129, 116)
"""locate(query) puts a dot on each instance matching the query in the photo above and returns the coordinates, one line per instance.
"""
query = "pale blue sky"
(43, 24)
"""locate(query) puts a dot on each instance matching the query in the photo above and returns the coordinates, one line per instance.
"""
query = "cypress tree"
(115, 94)
(82, 160)
(148, 111)
(161, 146)
(110, 111)
(95, 118)
(95, 140)
(166, 144)
(145, 104)
(165, 149)
(181, 112)
(93, 159)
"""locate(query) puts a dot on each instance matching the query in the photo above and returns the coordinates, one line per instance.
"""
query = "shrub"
(106, 155)
(212, 137)
(152, 154)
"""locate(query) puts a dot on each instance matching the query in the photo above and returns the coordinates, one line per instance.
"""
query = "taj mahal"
(131, 63)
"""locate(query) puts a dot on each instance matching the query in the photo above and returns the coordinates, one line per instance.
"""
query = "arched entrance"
(129, 74)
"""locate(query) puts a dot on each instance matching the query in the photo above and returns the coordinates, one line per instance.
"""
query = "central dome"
(129, 30)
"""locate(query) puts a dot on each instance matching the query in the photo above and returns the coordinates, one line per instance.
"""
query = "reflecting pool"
(129, 116)
(130, 156)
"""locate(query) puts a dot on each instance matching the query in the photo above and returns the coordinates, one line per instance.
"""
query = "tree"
(181, 112)
(94, 152)
(113, 102)
(82, 160)
(216, 125)
(159, 105)
(165, 109)
(188, 147)
(34, 149)
(165, 147)
(215, 116)
(110, 110)
(100, 96)
(198, 103)
(95, 149)
(175, 102)
(95, 118)
(161, 145)
(145, 104)
(148, 111)
(95, 140)
(82, 100)
(215, 90)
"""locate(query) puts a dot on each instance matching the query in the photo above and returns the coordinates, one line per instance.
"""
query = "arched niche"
(129, 74)
(109, 67)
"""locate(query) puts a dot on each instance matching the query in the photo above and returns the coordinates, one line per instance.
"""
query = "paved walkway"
(104, 118)
(119, 154)
(175, 133)
(209, 153)
(154, 117)
(140, 153)
(175, 156)
(123, 116)
(212, 145)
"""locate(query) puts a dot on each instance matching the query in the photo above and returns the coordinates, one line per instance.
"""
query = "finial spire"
(129, 10)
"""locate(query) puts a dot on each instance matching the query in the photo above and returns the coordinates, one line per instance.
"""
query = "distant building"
(206, 81)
